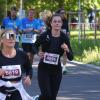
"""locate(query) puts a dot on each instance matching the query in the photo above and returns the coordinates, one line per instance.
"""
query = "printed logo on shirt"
(51, 58)
(10, 23)
(12, 71)
(29, 25)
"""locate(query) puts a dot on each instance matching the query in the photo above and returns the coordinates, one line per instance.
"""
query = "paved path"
(81, 83)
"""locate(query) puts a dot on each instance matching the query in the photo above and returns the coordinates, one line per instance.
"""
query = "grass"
(87, 49)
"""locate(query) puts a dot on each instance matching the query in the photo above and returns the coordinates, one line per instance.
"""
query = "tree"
(53, 5)
(2, 10)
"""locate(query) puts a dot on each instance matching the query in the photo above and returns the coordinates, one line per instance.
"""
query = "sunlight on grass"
(88, 50)
(91, 56)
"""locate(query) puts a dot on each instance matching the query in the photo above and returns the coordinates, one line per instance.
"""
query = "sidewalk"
(83, 64)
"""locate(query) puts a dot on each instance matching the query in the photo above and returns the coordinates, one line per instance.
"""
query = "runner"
(53, 44)
(13, 22)
(30, 28)
(12, 65)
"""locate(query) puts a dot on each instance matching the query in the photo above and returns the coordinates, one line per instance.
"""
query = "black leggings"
(14, 96)
(49, 79)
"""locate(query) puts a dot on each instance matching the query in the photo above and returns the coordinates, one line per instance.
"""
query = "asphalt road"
(82, 82)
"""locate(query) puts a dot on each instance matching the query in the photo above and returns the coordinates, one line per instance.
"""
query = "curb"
(84, 65)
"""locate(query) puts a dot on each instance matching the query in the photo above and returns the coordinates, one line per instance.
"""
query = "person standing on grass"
(91, 18)
(54, 44)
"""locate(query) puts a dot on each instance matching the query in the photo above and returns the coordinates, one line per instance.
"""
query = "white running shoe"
(36, 97)
(64, 70)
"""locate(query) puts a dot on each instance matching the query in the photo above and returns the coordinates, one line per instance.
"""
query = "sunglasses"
(9, 35)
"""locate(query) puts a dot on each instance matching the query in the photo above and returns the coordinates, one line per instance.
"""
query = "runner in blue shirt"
(13, 22)
(30, 27)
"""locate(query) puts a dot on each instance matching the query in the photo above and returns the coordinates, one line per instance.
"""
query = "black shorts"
(27, 47)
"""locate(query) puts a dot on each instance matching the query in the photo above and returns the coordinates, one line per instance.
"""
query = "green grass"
(86, 50)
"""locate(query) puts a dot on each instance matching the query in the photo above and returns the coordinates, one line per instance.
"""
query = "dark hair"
(8, 13)
(49, 19)
(59, 10)
(56, 15)
(31, 9)
(14, 8)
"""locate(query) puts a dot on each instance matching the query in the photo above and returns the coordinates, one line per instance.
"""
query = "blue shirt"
(41, 22)
(26, 23)
(10, 23)
(29, 37)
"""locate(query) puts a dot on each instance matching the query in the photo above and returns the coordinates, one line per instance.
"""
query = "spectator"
(91, 17)
(73, 23)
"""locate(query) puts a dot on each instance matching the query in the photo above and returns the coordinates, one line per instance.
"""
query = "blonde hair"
(1, 35)
(1, 32)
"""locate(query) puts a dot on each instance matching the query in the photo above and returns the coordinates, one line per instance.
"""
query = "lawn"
(86, 48)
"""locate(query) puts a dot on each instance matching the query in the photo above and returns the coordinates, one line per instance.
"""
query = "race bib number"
(12, 71)
(29, 38)
(51, 58)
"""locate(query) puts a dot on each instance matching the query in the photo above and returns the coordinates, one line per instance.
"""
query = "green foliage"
(55, 4)
(92, 56)
(2, 10)
(87, 51)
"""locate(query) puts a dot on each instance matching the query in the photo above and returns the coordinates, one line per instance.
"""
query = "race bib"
(51, 58)
(29, 38)
(12, 71)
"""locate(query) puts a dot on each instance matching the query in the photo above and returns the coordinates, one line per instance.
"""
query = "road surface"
(82, 82)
